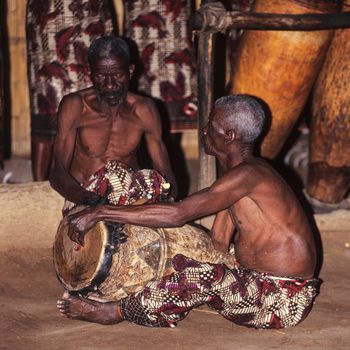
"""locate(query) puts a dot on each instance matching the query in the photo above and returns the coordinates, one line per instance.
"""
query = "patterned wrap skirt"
(243, 296)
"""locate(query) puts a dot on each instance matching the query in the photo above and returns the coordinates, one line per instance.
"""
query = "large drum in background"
(329, 169)
(118, 260)
(280, 67)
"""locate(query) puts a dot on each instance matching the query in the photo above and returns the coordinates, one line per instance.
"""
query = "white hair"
(244, 114)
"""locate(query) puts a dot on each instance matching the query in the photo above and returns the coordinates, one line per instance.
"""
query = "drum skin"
(280, 67)
(108, 270)
(329, 169)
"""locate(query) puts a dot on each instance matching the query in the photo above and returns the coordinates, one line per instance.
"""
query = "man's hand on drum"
(80, 223)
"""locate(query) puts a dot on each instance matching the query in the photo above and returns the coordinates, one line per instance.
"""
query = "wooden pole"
(213, 19)
(207, 168)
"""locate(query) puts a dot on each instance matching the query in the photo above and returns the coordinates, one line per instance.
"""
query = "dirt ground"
(29, 290)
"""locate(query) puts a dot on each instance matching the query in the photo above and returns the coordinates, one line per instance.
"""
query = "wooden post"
(207, 168)
(20, 115)
(218, 21)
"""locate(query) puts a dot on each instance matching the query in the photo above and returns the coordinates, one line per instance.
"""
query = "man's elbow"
(53, 179)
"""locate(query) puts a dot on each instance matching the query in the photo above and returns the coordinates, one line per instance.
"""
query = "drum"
(280, 67)
(329, 175)
(118, 260)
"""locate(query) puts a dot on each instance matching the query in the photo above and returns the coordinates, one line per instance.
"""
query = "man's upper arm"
(68, 119)
(222, 194)
(150, 119)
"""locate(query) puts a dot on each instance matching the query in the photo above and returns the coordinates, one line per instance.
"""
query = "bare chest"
(112, 136)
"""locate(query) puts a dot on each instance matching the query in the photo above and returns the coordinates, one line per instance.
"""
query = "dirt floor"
(29, 290)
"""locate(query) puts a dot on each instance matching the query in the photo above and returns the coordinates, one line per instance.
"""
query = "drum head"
(80, 267)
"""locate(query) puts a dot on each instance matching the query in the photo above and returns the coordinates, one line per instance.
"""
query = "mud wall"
(29, 215)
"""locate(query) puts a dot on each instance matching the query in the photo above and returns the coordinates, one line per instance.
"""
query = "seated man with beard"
(273, 285)
(99, 131)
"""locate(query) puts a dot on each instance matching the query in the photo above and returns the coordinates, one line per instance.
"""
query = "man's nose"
(109, 83)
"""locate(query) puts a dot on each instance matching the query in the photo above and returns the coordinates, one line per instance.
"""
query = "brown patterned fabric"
(118, 184)
(59, 33)
(160, 30)
(243, 296)
(121, 185)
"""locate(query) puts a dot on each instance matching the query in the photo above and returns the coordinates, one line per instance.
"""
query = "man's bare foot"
(88, 310)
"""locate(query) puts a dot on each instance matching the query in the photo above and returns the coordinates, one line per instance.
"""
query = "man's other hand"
(80, 223)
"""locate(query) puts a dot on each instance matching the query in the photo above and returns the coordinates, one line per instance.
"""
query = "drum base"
(326, 183)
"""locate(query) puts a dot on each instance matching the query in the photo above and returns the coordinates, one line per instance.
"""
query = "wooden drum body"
(280, 67)
(329, 169)
(117, 261)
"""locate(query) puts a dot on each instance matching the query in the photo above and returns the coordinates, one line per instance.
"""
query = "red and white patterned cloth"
(243, 296)
(161, 32)
(59, 33)
(121, 185)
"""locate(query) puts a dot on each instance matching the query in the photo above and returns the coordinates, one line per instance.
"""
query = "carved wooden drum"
(328, 176)
(118, 260)
(280, 67)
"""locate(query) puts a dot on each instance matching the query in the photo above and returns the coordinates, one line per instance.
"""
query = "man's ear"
(131, 70)
(230, 136)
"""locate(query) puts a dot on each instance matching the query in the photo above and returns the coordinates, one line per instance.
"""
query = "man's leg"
(164, 302)
(161, 303)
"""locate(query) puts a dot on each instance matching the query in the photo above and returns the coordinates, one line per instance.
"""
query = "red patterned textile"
(118, 184)
(160, 30)
(243, 296)
(59, 33)
(121, 185)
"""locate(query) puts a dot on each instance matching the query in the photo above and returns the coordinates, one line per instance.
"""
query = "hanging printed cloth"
(163, 38)
(59, 33)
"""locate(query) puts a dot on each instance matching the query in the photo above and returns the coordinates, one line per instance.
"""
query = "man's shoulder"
(82, 92)
(255, 165)
(137, 100)
(251, 172)
(144, 107)
(73, 103)
(77, 98)
(72, 97)
(259, 172)
(247, 167)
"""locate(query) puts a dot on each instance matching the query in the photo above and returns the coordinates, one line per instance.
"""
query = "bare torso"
(104, 135)
(273, 235)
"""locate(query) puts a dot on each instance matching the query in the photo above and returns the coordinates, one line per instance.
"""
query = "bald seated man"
(273, 285)
(100, 129)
